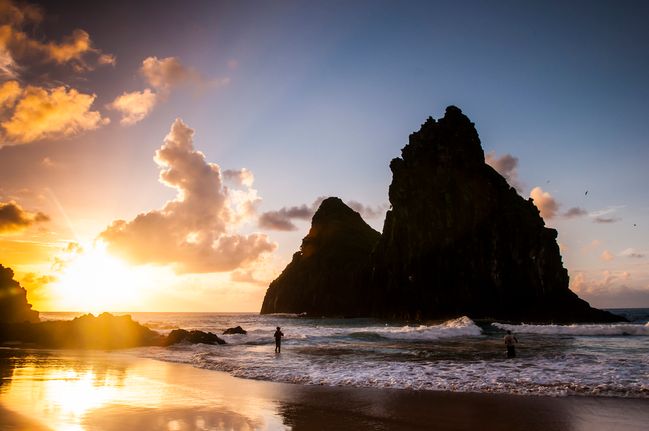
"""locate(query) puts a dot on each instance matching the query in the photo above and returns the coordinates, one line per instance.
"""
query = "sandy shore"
(112, 391)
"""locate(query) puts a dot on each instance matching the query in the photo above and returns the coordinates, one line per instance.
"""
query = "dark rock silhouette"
(192, 337)
(332, 258)
(13, 300)
(458, 240)
(86, 332)
(106, 332)
(236, 330)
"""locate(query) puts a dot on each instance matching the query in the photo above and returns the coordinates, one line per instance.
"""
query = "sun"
(92, 280)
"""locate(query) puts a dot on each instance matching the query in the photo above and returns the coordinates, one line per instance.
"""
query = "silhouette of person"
(278, 340)
(510, 343)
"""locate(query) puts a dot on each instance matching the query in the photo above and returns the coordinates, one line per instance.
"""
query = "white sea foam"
(569, 376)
(454, 355)
(579, 329)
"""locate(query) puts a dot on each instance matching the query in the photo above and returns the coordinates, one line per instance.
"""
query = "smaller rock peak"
(456, 117)
(451, 140)
(332, 208)
(453, 111)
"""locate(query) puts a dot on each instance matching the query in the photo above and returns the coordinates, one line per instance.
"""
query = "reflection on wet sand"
(76, 393)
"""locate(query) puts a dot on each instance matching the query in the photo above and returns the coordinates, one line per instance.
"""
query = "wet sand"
(112, 391)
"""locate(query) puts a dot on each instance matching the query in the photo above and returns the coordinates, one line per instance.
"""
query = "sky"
(169, 155)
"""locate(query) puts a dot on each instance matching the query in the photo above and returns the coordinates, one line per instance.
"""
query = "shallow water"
(457, 355)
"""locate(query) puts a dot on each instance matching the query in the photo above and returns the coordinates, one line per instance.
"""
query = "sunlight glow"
(92, 280)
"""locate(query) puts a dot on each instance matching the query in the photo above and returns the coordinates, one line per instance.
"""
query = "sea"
(461, 354)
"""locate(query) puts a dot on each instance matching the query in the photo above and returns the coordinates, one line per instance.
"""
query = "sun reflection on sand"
(117, 392)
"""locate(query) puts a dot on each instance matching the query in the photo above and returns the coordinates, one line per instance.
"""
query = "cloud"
(34, 284)
(72, 48)
(367, 211)
(546, 204)
(47, 162)
(195, 231)
(507, 166)
(575, 212)
(610, 289)
(18, 47)
(607, 256)
(134, 106)
(14, 218)
(107, 59)
(9, 93)
(7, 66)
(606, 215)
(162, 75)
(165, 73)
(589, 248)
(241, 177)
(631, 252)
(50, 113)
(605, 220)
(19, 14)
(247, 276)
(282, 219)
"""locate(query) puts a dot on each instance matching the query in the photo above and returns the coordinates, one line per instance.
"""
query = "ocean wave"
(546, 377)
(460, 327)
(579, 329)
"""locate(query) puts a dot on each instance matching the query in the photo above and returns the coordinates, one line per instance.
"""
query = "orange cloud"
(14, 218)
(16, 46)
(42, 113)
(546, 204)
(19, 14)
(9, 93)
(195, 232)
(73, 47)
(134, 106)
(607, 256)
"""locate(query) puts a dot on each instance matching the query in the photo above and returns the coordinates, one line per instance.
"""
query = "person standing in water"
(278, 340)
(510, 343)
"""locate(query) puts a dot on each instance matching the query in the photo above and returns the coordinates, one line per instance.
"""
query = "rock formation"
(85, 332)
(13, 300)
(192, 337)
(327, 275)
(458, 240)
(235, 330)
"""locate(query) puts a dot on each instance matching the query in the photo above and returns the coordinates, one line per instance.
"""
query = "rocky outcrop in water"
(13, 300)
(327, 275)
(192, 337)
(458, 240)
(235, 330)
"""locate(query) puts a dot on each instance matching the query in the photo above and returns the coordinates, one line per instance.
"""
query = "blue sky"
(316, 98)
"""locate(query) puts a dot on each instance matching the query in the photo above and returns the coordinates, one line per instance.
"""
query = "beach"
(69, 390)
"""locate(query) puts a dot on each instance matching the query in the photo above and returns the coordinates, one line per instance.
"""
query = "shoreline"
(117, 391)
